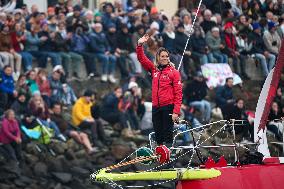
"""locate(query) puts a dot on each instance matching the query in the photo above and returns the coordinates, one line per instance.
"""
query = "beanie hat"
(155, 25)
(154, 10)
(77, 8)
(132, 84)
(98, 13)
(228, 25)
(255, 26)
(271, 25)
(215, 29)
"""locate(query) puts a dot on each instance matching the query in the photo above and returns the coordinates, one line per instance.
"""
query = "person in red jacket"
(166, 91)
(10, 136)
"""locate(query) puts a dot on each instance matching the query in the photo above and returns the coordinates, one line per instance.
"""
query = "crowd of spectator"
(104, 41)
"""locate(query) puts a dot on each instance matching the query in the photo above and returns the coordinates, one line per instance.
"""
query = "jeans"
(51, 125)
(187, 135)
(204, 58)
(77, 61)
(221, 58)
(108, 63)
(176, 58)
(89, 59)
(66, 61)
(27, 60)
(123, 67)
(133, 119)
(267, 63)
(239, 67)
(41, 58)
(136, 64)
(205, 108)
(55, 59)
(71, 61)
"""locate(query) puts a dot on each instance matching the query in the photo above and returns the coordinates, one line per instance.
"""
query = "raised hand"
(143, 39)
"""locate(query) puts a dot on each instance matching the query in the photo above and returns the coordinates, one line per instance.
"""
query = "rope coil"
(133, 161)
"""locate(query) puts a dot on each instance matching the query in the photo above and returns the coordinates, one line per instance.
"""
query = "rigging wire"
(190, 33)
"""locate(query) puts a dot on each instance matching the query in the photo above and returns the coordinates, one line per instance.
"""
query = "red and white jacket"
(166, 83)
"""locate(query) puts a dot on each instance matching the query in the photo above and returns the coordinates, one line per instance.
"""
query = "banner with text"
(216, 74)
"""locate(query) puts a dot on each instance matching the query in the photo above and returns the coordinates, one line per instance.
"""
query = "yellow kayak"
(178, 174)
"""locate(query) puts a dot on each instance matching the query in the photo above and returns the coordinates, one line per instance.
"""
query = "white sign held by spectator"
(216, 74)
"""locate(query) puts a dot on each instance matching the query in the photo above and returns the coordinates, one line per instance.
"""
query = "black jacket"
(258, 45)
(198, 44)
(274, 116)
(223, 94)
(99, 43)
(112, 41)
(48, 45)
(236, 113)
(207, 25)
(179, 42)
(125, 42)
(168, 42)
(110, 104)
(61, 44)
(19, 108)
(195, 91)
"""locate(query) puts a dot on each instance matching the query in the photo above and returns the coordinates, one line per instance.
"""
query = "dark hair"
(29, 72)
(89, 93)
(42, 71)
(238, 99)
(116, 88)
(225, 12)
(139, 27)
(21, 76)
(56, 104)
(228, 78)
(263, 22)
(35, 14)
(106, 4)
(6, 66)
(239, 17)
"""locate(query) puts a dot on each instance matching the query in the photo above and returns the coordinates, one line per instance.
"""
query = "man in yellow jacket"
(81, 112)
(82, 115)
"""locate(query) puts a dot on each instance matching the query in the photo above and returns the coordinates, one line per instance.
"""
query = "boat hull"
(245, 177)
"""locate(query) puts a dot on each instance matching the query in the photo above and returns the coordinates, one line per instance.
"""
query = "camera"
(274, 43)
(79, 30)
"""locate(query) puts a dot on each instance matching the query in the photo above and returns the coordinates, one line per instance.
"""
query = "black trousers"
(96, 128)
(116, 117)
(13, 151)
(163, 124)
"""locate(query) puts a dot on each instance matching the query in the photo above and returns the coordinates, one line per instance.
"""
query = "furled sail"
(266, 97)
